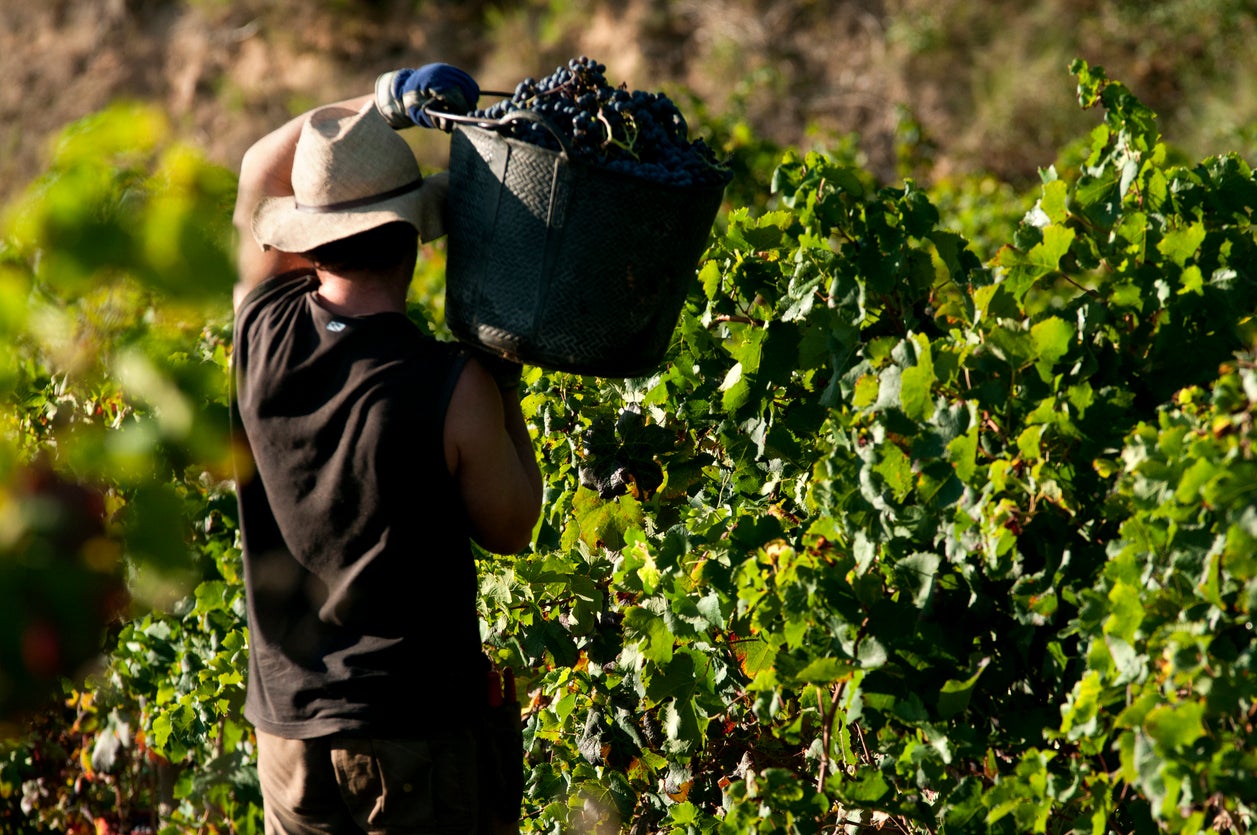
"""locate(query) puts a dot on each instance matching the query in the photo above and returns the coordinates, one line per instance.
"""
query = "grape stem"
(627, 144)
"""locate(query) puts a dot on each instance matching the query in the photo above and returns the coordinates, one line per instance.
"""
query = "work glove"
(410, 97)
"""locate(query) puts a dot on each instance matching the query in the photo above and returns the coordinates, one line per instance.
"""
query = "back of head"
(351, 173)
(381, 249)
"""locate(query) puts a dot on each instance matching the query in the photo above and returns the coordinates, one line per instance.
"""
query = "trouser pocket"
(420, 783)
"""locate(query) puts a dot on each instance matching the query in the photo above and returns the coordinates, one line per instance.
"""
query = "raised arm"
(266, 171)
(405, 97)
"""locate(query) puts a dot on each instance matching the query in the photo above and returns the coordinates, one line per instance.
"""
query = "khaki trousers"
(351, 786)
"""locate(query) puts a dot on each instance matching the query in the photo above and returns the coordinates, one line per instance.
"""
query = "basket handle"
(512, 116)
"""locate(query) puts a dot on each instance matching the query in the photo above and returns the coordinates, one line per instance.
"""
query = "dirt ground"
(227, 72)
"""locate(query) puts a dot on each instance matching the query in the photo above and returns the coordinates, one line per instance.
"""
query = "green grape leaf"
(916, 384)
(1175, 726)
(1181, 245)
(1023, 269)
(954, 696)
(656, 639)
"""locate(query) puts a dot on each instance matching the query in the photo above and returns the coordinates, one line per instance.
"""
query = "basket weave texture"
(564, 265)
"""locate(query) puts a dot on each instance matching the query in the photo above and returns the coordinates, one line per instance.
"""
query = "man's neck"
(347, 296)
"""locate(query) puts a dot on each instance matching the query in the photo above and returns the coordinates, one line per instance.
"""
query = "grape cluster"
(621, 456)
(631, 131)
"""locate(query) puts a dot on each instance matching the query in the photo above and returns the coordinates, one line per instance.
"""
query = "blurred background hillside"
(966, 86)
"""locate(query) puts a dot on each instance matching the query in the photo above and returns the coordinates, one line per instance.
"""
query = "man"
(375, 454)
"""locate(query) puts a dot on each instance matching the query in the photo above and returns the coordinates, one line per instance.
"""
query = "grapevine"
(913, 530)
(634, 132)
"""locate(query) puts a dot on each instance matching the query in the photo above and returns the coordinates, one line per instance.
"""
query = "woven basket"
(559, 264)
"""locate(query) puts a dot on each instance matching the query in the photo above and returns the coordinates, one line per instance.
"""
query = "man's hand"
(409, 97)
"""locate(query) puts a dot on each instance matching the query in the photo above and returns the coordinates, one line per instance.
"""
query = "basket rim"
(602, 171)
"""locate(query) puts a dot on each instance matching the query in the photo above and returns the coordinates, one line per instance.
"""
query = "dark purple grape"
(636, 132)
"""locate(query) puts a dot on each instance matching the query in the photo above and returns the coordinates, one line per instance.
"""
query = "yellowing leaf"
(896, 469)
(754, 655)
(866, 388)
(962, 451)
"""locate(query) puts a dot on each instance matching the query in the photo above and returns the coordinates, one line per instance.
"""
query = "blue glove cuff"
(417, 97)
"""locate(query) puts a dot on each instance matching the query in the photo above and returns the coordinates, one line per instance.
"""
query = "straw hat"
(351, 172)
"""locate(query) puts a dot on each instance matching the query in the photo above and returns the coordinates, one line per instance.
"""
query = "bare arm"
(490, 454)
(266, 171)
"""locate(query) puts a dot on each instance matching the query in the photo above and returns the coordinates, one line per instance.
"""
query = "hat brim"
(277, 223)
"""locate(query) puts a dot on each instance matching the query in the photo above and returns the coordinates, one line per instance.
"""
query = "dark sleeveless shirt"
(360, 580)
